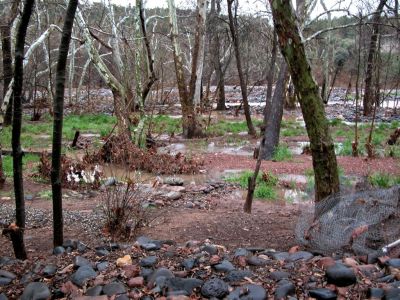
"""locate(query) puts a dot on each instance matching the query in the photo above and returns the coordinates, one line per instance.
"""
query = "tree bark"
(271, 71)
(242, 80)
(322, 147)
(273, 115)
(18, 242)
(369, 96)
(58, 104)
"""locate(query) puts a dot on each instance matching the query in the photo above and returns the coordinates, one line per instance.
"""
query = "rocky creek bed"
(162, 269)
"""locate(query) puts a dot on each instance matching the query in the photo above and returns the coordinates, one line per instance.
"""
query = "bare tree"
(322, 147)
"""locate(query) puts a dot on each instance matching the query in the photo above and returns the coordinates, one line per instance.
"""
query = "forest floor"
(209, 205)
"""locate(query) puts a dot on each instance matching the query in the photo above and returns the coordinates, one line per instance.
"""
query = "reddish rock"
(131, 271)
(136, 282)
(325, 262)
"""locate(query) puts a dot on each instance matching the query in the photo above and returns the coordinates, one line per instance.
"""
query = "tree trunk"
(56, 168)
(322, 147)
(242, 80)
(18, 242)
(273, 115)
(369, 96)
(271, 71)
(190, 125)
(7, 68)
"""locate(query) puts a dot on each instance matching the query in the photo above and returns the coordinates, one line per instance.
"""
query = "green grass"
(383, 180)
(282, 153)
(292, 128)
(223, 126)
(27, 159)
(264, 189)
(164, 124)
(46, 194)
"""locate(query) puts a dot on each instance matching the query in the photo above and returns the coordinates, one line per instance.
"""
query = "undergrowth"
(383, 180)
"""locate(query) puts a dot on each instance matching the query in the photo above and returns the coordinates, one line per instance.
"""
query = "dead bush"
(120, 150)
(124, 209)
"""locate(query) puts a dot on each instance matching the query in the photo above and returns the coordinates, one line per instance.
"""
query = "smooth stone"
(284, 289)
(256, 261)
(210, 249)
(238, 275)
(141, 240)
(36, 291)
(393, 262)
(340, 275)
(27, 278)
(183, 284)
(215, 287)
(69, 244)
(174, 181)
(280, 255)
(173, 195)
(122, 297)
(80, 261)
(161, 272)
(279, 275)
(29, 197)
(102, 252)
(150, 246)
(82, 275)
(114, 288)
(58, 250)
(322, 294)
(189, 263)
(136, 282)
(255, 249)
(392, 294)
(148, 261)
(388, 278)
(7, 274)
(224, 266)
(5, 260)
(300, 255)
(5, 281)
(146, 273)
(94, 291)
(376, 293)
(3, 296)
(241, 252)
(248, 292)
(81, 247)
(49, 270)
(102, 266)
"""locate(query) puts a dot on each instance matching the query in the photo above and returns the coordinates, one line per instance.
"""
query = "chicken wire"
(361, 222)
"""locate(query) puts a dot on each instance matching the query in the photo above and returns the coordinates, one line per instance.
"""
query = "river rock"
(80, 261)
(36, 291)
(114, 288)
(173, 181)
(150, 246)
(148, 261)
(215, 287)
(392, 294)
(184, 285)
(173, 195)
(284, 289)
(393, 262)
(376, 293)
(238, 275)
(82, 275)
(340, 275)
(7, 274)
(94, 291)
(241, 252)
(279, 275)
(49, 270)
(300, 255)
(58, 250)
(256, 261)
(3, 296)
(5, 281)
(189, 263)
(136, 282)
(248, 292)
(102, 266)
(161, 272)
(224, 266)
(322, 294)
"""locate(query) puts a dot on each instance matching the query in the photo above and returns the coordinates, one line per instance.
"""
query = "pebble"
(392, 294)
(173, 195)
(82, 275)
(7, 274)
(114, 288)
(322, 294)
(36, 291)
(175, 181)
(279, 275)
(376, 293)
(241, 252)
(49, 270)
(3, 296)
(215, 287)
(248, 292)
(300, 255)
(150, 246)
(210, 249)
(224, 266)
(80, 261)
(280, 255)
(185, 285)
(189, 263)
(5, 281)
(284, 289)
(256, 261)
(393, 262)
(136, 282)
(102, 266)
(161, 272)
(340, 275)
(58, 250)
(102, 252)
(148, 261)
(238, 275)
(94, 291)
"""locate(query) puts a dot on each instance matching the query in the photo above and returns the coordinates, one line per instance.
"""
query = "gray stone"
(114, 288)
(248, 292)
(3, 296)
(279, 275)
(186, 285)
(69, 244)
(189, 263)
(102, 252)
(300, 255)
(284, 289)
(148, 261)
(388, 278)
(49, 270)
(215, 287)
(392, 294)
(173, 195)
(238, 275)
(241, 252)
(5, 260)
(280, 255)
(393, 262)
(80, 261)
(141, 240)
(173, 181)
(256, 261)
(81, 247)
(36, 291)
(5, 281)
(376, 293)
(122, 297)
(7, 274)
(210, 249)
(224, 266)
(94, 291)
(150, 246)
(82, 275)
(322, 294)
(102, 266)
(340, 275)
(146, 272)
(161, 272)
(58, 250)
